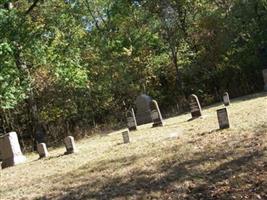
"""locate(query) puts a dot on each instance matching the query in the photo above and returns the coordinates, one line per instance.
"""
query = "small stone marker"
(156, 114)
(226, 99)
(42, 150)
(11, 154)
(131, 120)
(70, 145)
(195, 106)
(125, 136)
(223, 118)
(264, 72)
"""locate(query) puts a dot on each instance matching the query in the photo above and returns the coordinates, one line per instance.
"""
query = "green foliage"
(12, 89)
(80, 60)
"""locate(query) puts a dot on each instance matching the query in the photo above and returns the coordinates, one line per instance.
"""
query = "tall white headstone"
(10, 150)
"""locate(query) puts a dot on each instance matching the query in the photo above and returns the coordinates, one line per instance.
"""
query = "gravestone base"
(132, 129)
(13, 161)
(158, 124)
(70, 151)
(196, 114)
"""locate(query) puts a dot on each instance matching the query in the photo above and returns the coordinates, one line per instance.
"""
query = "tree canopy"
(71, 65)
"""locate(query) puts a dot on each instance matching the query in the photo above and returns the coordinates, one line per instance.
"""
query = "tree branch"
(32, 7)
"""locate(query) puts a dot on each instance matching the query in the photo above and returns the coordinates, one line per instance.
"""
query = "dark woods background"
(66, 67)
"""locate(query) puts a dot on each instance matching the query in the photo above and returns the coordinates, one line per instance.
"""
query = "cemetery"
(133, 99)
(184, 159)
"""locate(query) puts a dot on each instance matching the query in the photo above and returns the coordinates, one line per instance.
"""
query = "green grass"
(183, 160)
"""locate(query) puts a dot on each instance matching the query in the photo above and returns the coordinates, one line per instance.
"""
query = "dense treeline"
(69, 66)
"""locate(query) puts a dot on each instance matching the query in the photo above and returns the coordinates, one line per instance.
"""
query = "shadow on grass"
(236, 176)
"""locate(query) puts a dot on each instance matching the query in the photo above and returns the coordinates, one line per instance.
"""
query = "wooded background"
(74, 66)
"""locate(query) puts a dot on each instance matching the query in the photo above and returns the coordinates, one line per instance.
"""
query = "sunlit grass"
(183, 160)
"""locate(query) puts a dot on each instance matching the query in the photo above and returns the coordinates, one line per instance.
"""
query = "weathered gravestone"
(11, 154)
(125, 137)
(156, 114)
(223, 118)
(195, 106)
(70, 145)
(265, 79)
(42, 150)
(226, 99)
(143, 115)
(131, 120)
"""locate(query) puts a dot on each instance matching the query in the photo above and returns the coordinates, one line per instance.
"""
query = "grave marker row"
(11, 153)
(151, 109)
(222, 114)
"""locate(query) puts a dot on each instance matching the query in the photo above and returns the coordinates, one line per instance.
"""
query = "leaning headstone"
(195, 106)
(143, 115)
(125, 136)
(70, 145)
(156, 114)
(42, 150)
(131, 120)
(226, 99)
(265, 79)
(223, 118)
(11, 154)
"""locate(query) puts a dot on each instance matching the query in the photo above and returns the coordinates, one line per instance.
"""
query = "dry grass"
(183, 160)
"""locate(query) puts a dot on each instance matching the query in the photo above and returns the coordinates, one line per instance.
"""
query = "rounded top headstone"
(143, 97)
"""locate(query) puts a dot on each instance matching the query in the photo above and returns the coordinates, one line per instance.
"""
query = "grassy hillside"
(183, 160)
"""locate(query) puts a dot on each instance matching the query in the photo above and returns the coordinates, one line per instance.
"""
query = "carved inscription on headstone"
(223, 118)
(125, 137)
(195, 106)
